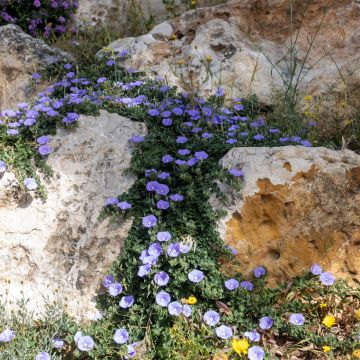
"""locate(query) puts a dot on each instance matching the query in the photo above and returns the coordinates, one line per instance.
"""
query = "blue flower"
(327, 278)
(164, 175)
(297, 319)
(154, 112)
(163, 298)
(259, 271)
(30, 183)
(196, 276)
(162, 204)
(256, 353)
(236, 172)
(173, 250)
(186, 310)
(175, 308)
(2, 166)
(231, 284)
(316, 269)
(85, 343)
(155, 249)
(121, 336)
(211, 318)
(266, 322)
(126, 301)
(149, 221)
(124, 205)
(252, 335)
(111, 201)
(115, 288)
(161, 278)
(163, 236)
(224, 332)
(7, 335)
(181, 139)
(108, 280)
(166, 159)
(247, 285)
(176, 197)
(162, 189)
(201, 155)
(58, 343)
(43, 356)
(144, 270)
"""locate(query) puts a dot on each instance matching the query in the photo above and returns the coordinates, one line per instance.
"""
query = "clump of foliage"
(166, 296)
(38, 17)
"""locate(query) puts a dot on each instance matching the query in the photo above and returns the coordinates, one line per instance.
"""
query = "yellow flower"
(173, 37)
(356, 354)
(323, 305)
(329, 321)
(192, 300)
(181, 62)
(208, 58)
(326, 348)
(307, 98)
(357, 315)
(240, 346)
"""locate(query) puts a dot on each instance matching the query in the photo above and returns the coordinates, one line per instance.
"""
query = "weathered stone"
(244, 40)
(20, 56)
(60, 245)
(297, 206)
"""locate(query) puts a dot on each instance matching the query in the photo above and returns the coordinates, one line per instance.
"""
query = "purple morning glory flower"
(115, 288)
(175, 308)
(164, 175)
(108, 280)
(29, 121)
(152, 185)
(196, 276)
(111, 201)
(149, 172)
(183, 151)
(58, 343)
(184, 248)
(2, 166)
(137, 139)
(201, 155)
(45, 150)
(173, 250)
(266, 323)
(126, 301)
(7, 335)
(131, 351)
(206, 135)
(67, 66)
(166, 159)
(238, 107)
(297, 319)
(154, 112)
(316, 269)
(155, 249)
(176, 197)
(274, 131)
(181, 139)
(70, 118)
(177, 111)
(306, 143)
(144, 270)
(161, 278)
(85, 343)
(36, 76)
(162, 189)
(121, 336)
(162, 204)
(256, 353)
(166, 122)
(231, 284)
(43, 356)
(42, 140)
(124, 205)
(327, 278)
(231, 141)
(211, 318)
(247, 285)
(163, 298)
(284, 139)
(252, 335)
(163, 236)
(259, 271)
(259, 137)
(180, 162)
(186, 310)
(236, 172)
(149, 221)
(101, 80)
(219, 92)
(30, 183)
(224, 332)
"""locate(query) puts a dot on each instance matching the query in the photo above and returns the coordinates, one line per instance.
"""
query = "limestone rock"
(244, 39)
(297, 206)
(60, 245)
(20, 56)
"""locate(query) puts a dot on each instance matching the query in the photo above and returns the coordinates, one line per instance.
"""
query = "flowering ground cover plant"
(38, 17)
(166, 296)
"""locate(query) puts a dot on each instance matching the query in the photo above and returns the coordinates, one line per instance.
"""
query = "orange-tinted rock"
(289, 217)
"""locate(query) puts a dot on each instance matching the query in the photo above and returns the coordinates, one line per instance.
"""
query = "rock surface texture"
(20, 56)
(242, 36)
(297, 206)
(60, 244)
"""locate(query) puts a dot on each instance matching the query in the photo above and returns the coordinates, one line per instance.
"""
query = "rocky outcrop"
(20, 56)
(297, 206)
(243, 40)
(59, 248)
